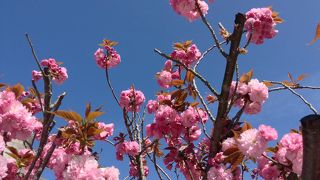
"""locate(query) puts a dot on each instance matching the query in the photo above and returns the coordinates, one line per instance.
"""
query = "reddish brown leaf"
(17, 89)
(88, 109)
(189, 76)
(177, 82)
(268, 83)
(194, 104)
(245, 78)
(93, 115)
(246, 126)
(211, 99)
(68, 115)
(301, 77)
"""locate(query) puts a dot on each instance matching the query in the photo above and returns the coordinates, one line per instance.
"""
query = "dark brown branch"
(34, 54)
(224, 95)
(311, 144)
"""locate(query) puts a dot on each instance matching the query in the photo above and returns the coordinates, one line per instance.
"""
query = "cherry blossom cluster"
(187, 54)
(260, 25)
(107, 57)
(188, 8)
(58, 74)
(16, 122)
(252, 142)
(251, 95)
(167, 74)
(131, 99)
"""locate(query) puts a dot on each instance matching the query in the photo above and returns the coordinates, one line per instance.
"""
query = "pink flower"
(3, 167)
(258, 91)
(58, 160)
(188, 9)
(164, 79)
(131, 148)
(15, 119)
(152, 106)
(251, 144)
(36, 75)
(110, 173)
(134, 170)
(219, 173)
(109, 59)
(268, 133)
(107, 131)
(188, 56)
(260, 24)
(291, 141)
(83, 167)
(193, 133)
(2, 144)
(131, 99)
(59, 74)
(228, 143)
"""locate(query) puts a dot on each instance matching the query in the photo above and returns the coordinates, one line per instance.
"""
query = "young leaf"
(88, 109)
(245, 78)
(268, 83)
(93, 115)
(301, 77)
(317, 35)
(68, 115)
(177, 82)
(17, 90)
(2, 85)
(189, 76)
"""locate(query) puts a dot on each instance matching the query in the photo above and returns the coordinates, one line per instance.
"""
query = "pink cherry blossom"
(260, 24)
(59, 74)
(251, 144)
(268, 132)
(131, 99)
(107, 130)
(219, 173)
(3, 167)
(188, 56)
(107, 59)
(188, 9)
(110, 173)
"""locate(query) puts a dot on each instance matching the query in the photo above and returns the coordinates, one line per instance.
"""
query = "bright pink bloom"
(59, 74)
(188, 57)
(127, 147)
(2, 144)
(110, 173)
(260, 24)
(107, 131)
(152, 106)
(131, 99)
(107, 59)
(58, 160)
(188, 9)
(83, 167)
(164, 79)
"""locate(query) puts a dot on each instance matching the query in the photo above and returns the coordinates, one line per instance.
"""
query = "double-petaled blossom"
(260, 25)
(251, 95)
(188, 8)
(187, 56)
(15, 119)
(58, 73)
(131, 99)
(107, 58)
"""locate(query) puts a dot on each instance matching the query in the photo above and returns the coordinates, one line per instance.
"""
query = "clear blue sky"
(70, 31)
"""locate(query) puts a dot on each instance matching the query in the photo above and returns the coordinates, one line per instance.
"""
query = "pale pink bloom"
(15, 119)
(110, 173)
(189, 117)
(36, 75)
(251, 144)
(2, 144)
(131, 99)
(228, 143)
(127, 147)
(188, 9)
(3, 167)
(260, 24)
(297, 162)
(83, 167)
(152, 106)
(58, 160)
(107, 131)
(219, 172)
(253, 108)
(291, 141)
(268, 132)
(258, 91)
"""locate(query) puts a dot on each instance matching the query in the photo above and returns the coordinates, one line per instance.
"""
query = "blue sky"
(70, 31)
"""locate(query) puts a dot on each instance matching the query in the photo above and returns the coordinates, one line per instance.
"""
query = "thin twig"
(161, 169)
(34, 54)
(296, 87)
(189, 69)
(213, 34)
(38, 94)
(110, 86)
